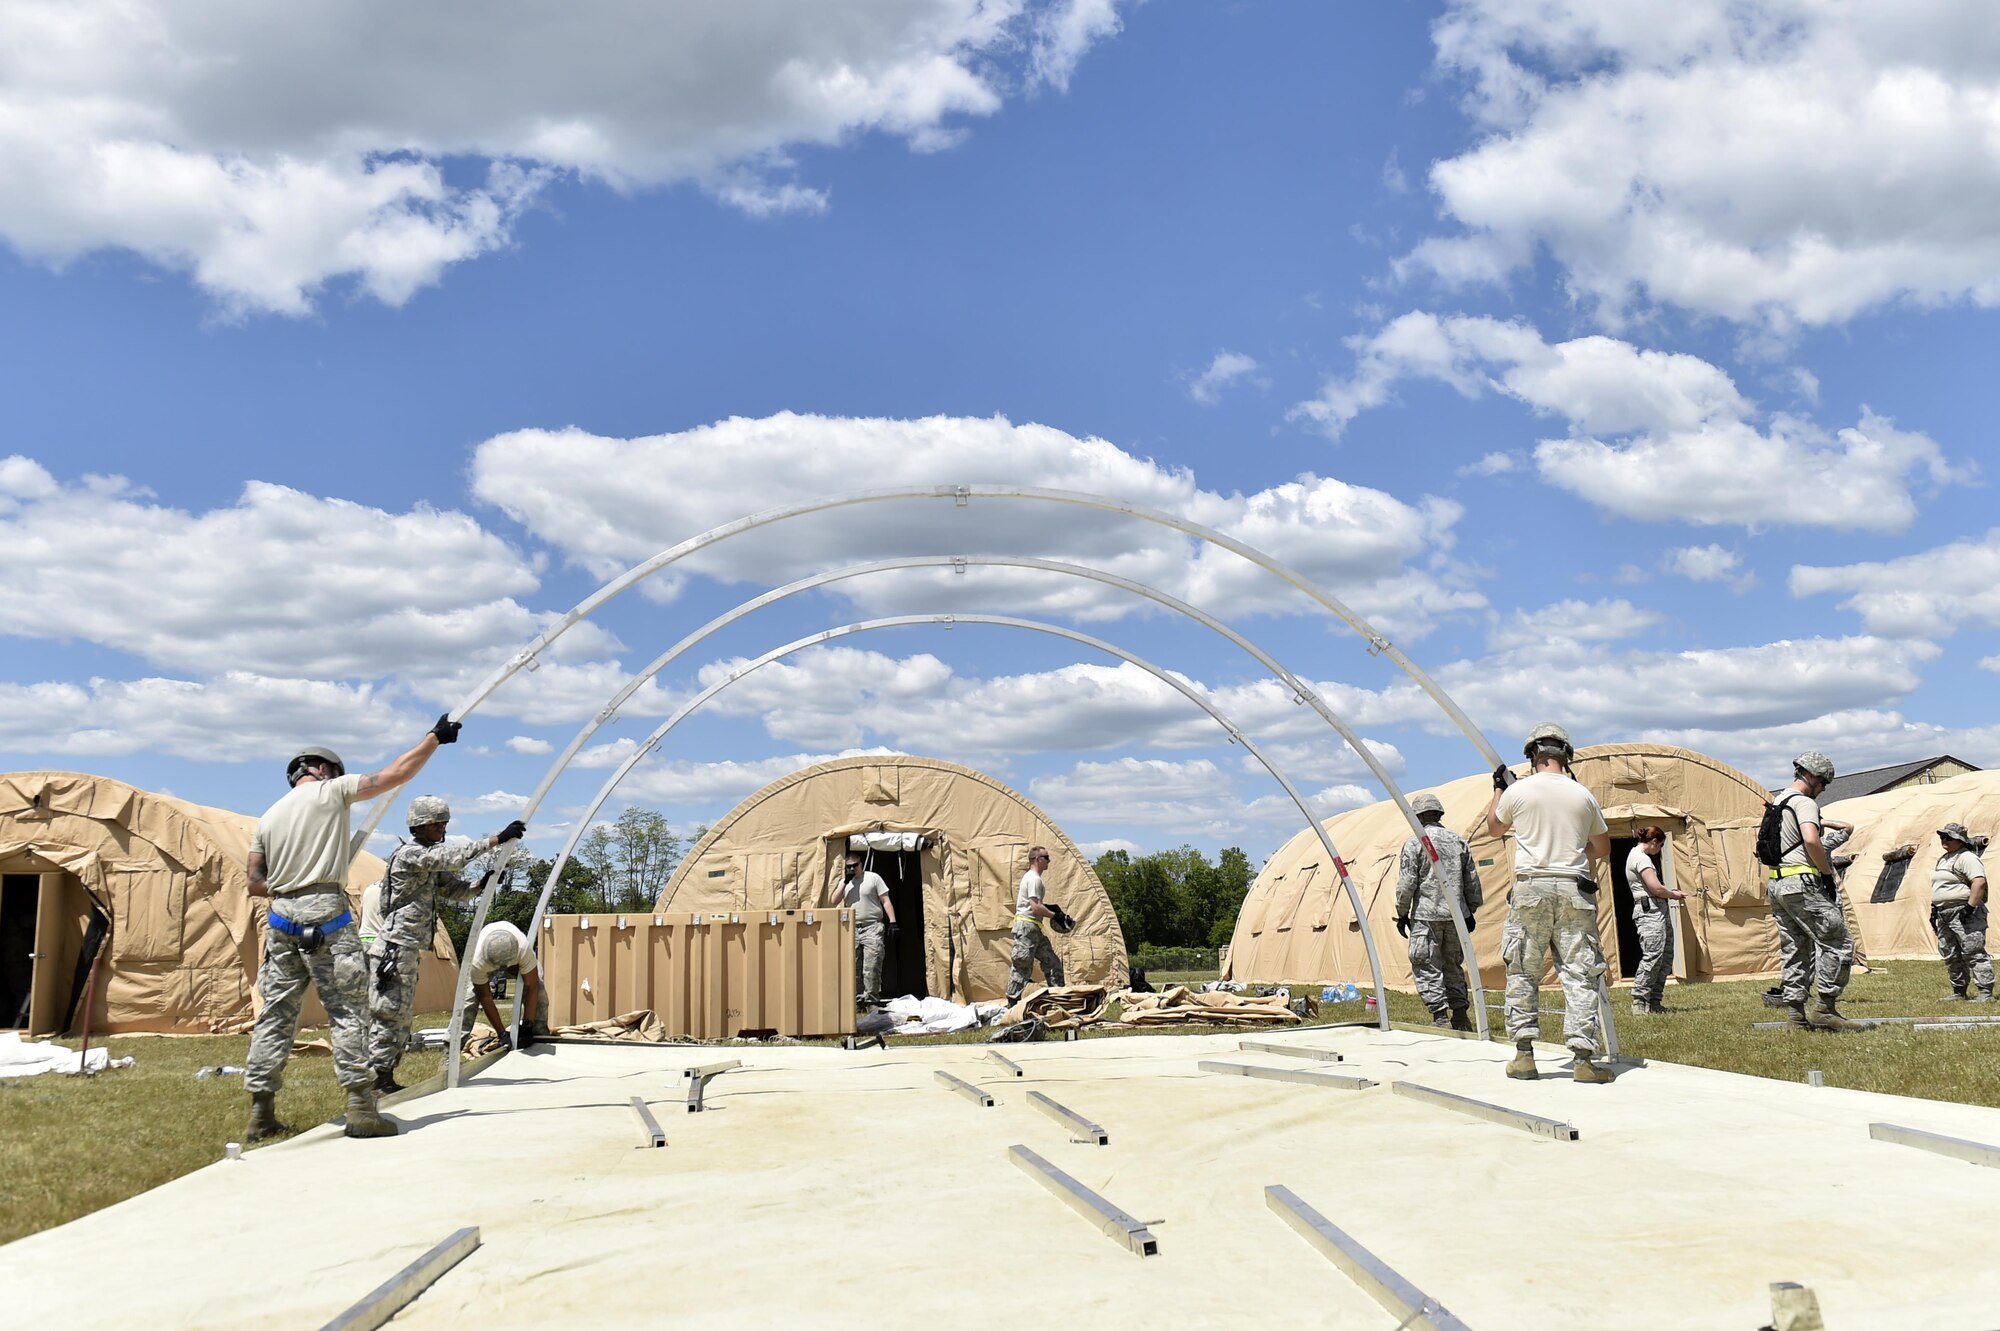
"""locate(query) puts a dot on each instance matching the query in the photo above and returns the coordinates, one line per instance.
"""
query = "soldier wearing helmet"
(1958, 914)
(1425, 889)
(1558, 829)
(299, 859)
(422, 872)
(1819, 950)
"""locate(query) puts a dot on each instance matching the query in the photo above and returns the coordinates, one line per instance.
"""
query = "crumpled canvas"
(21, 1058)
(1062, 1008)
(1177, 1005)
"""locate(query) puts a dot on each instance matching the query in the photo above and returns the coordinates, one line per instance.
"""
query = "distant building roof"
(1851, 785)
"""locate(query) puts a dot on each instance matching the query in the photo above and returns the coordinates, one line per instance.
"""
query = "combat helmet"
(1813, 763)
(309, 755)
(428, 809)
(1426, 803)
(1548, 740)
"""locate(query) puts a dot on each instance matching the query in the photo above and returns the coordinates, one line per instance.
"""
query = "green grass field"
(69, 1146)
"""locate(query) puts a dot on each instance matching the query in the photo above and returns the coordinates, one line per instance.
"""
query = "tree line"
(1175, 898)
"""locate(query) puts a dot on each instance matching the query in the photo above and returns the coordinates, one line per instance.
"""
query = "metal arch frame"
(960, 495)
(1301, 691)
(901, 621)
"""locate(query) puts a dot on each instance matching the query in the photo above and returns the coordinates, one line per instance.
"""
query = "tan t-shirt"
(303, 837)
(1553, 819)
(1800, 809)
(1030, 890)
(1952, 879)
(487, 960)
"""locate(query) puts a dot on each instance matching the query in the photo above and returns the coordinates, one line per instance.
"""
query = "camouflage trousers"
(1031, 945)
(1961, 935)
(1656, 952)
(337, 971)
(392, 997)
(1437, 963)
(868, 945)
(1821, 951)
(1552, 915)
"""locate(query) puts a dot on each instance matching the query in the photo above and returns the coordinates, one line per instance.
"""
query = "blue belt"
(332, 926)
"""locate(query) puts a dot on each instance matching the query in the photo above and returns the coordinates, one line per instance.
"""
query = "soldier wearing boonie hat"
(1958, 915)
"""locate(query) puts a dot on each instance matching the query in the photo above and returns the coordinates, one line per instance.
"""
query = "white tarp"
(938, 1016)
(19, 1058)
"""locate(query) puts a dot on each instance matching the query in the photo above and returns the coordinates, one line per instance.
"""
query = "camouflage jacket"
(1421, 887)
(417, 879)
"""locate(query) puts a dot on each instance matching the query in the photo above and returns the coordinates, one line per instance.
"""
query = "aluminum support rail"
(1334, 1081)
(1377, 1279)
(699, 1077)
(400, 1290)
(964, 1088)
(652, 741)
(650, 1133)
(1005, 1062)
(1492, 1113)
(1958, 1148)
(1123, 1229)
(1069, 1118)
(1288, 1050)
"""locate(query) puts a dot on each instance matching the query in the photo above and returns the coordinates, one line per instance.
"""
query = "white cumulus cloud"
(268, 151)
(1653, 436)
(1710, 563)
(1930, 592)
(1777, 162)
(1225, 369)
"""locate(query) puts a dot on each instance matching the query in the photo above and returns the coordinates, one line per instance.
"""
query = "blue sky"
(1626, 365)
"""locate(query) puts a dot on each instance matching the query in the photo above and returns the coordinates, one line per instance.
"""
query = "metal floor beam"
(1958, 1148)
(398, 1291)
(1305, 1077)
(1289, 1050)
(1069, 1118)
(1129, 1233)
(1492, 1113)
(1381, 1282)
(649, 1127)
(964, 1088)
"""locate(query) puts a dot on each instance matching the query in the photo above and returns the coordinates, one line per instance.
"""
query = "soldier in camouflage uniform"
(1958, 915)
(299, 857)
(1424, 893)
(421, 873)
(1558, 829)
(1801, 889)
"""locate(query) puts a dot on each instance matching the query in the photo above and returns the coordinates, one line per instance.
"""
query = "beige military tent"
(85, 856)
(1894, 848)
(951, 844)
(1296, 925)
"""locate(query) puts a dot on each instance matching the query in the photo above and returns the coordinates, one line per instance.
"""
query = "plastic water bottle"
(224, 1071)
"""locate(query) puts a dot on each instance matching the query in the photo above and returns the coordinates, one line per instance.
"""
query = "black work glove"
(446, 730)
(528, 1038)
(1503, 777)
(1471, 922)
(1403, 925)
(890, 930)
(501, 1040)
(513, 831)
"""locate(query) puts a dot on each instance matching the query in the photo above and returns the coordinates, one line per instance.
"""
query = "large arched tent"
(950, 842)
(78, 852)
(1295, 924)
(1894, 848)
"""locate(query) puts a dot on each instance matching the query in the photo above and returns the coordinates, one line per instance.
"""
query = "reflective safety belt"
(1791, 870)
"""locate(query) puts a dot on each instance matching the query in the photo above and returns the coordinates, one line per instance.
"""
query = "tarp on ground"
(186, 936)
(783, 847)
(1296, 924)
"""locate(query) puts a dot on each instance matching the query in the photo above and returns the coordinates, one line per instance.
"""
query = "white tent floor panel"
(855, 1190)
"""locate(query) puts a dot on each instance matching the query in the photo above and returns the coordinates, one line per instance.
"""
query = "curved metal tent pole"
(1004, 621)
(960, 495)
(1300, 689)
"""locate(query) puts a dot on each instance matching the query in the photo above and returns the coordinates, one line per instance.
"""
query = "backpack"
(1771, 846)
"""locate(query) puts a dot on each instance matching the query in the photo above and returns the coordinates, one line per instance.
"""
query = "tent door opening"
(1622, 896)
(903, 962)
(20, 905)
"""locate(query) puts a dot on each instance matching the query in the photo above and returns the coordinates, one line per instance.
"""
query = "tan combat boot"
(1589, 1073)
(1824, 1016)
(363, 1119)
(1795, 1017)
(264, 1118)
(1522, 1066)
